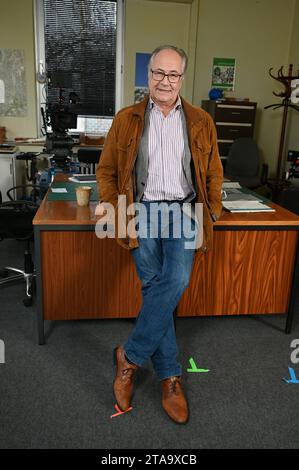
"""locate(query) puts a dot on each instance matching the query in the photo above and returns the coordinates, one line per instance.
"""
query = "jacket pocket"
(122, 146)
(202, 154)
(202, 161)
(125, 156)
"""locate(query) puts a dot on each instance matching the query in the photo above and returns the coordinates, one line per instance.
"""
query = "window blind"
(80, 46)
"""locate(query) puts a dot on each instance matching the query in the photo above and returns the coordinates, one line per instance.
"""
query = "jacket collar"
(193, 114)
(139, 108)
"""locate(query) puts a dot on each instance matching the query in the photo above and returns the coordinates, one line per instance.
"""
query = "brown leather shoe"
(124, 379)
(174, 401)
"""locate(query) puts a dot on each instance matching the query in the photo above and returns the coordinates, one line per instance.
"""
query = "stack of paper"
(246, 206)
(230, 185)
(238, 199)
(238, 195)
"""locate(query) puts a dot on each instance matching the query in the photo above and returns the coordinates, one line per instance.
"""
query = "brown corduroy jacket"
(115, 172)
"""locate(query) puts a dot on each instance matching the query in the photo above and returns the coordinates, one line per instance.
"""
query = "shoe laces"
(173, 385)
(127, 373)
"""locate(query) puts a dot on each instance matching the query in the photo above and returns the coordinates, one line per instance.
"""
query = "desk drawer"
(229, 131)
(235, 113)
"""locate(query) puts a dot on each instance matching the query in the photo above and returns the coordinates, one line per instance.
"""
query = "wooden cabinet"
(233, 119)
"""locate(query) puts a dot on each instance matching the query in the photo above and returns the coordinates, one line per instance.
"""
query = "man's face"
(163, 92)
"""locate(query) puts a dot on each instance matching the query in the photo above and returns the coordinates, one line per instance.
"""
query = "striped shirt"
(166, 176)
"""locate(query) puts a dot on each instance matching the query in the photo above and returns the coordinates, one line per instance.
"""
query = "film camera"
(60, 117)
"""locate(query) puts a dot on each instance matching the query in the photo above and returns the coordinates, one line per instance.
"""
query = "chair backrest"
(89, 157)
(289, 198)
(243, 158)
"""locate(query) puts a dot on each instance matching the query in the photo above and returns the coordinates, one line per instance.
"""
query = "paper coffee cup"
(83, 194)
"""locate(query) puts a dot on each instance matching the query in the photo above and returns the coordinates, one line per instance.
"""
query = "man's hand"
(100, 209)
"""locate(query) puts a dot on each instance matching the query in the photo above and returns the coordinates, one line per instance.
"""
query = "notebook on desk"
(240, 195)
(83, 178)
(246, 206)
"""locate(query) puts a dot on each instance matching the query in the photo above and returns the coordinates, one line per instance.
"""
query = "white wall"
(257, 33)
(148, 25)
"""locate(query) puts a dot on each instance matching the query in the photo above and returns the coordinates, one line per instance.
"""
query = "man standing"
(160, 151)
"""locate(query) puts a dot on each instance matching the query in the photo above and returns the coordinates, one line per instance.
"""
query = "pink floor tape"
(119, 411)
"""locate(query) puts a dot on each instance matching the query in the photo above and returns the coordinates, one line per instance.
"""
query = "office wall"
(17, 32)
(292, 141)
(257, 33)
(149, 24)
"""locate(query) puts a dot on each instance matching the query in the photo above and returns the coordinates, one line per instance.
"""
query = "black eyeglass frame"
(178, 76)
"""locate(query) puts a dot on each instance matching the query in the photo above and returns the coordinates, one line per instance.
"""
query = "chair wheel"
(27, 302)
(3, 272)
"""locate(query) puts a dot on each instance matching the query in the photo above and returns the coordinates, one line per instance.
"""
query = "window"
(78, 51)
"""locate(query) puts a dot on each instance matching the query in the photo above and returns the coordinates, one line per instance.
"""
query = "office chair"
(289, 198)
(16, 222)
(36, 194)
(88, 159)
(243, 164)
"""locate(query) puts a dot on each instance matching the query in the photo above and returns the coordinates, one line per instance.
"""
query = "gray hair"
(180, 52)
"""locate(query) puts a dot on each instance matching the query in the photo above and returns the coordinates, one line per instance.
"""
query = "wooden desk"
(251, 270)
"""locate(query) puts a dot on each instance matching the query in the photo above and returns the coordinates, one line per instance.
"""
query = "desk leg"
(40, 316)
(294, 293)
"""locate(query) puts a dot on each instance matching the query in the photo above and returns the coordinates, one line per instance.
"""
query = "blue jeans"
(164, 266)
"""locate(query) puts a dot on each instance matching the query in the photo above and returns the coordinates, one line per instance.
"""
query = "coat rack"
(286, 103)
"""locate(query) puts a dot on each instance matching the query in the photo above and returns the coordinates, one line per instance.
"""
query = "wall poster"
(224, 71)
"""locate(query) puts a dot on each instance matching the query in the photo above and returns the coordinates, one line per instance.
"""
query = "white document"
(59, 190)
(230, 185)
(246, 206)
(83, 178)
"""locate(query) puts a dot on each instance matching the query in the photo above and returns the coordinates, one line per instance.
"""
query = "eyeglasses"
(172, 77)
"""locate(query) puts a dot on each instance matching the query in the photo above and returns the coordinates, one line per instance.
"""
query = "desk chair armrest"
(22, 186)
(19, 204)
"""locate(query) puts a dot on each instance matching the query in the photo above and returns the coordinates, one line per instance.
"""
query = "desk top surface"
(69, 213)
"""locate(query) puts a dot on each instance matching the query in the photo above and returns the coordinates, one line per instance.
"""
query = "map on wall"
(13, 97)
